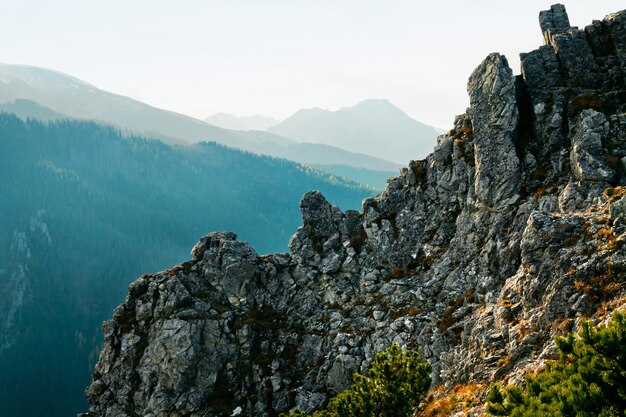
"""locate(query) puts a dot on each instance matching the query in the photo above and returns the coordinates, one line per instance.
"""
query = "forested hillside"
(84, 211)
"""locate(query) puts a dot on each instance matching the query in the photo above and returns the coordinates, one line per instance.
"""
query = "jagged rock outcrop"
(494, 117)
(510, 232)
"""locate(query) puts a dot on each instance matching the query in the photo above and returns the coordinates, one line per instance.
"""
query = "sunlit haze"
(274, 57)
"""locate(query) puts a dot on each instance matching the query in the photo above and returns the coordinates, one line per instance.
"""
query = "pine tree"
(395, 384)
(588, 380)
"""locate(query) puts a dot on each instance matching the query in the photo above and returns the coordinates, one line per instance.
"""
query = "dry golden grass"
(613, 287)
(583, 287)
(609, 306)
(540, 192)
(610, 245)
(461, 399)
(564, 326)
(605, 232)
(571, 241)
(602, 219)
(171, 272)
(614, 193)
(504, 361)
(524, 330)
(607, 284)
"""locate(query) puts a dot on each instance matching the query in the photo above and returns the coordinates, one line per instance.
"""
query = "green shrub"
(395, 384)
(588, 380)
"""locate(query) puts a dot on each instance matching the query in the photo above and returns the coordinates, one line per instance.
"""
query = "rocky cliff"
(510, 232)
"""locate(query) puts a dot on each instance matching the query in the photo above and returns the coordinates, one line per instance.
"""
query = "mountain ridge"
(333, 160)
(509, 233)
(135, 117)
(366, 126)
(229, 121)
(25, 109)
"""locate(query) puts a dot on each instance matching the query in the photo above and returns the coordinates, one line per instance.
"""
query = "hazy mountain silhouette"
(25, 109)
(369, 177)
(373, 127)
(68, 96)
(229, 121)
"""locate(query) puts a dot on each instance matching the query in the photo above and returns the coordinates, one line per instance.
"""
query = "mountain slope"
(374, 127)
(509, 233)
(332, 160)
(84, 210)
(229, 121)
(368, 177)
(77, 99)
(25, 109)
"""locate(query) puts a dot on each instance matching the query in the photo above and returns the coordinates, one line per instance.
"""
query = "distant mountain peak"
(37, 75)
(373, 126)
(377, 105)
(374, 102)
(51, 95)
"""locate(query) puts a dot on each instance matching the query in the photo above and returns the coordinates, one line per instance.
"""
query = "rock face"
(507, 234)
(494, 116)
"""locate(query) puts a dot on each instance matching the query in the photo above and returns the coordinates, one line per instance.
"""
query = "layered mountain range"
(353, 142)
(50, 95)
(362, 128)
(509, 233)
(229, 121)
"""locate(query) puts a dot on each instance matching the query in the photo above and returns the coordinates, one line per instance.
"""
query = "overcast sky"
(274, 57)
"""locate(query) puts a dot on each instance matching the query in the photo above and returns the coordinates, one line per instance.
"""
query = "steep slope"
(229, 121)
(264, 143)
(376, 179)
(373, 127)
(25, 109)
(80, 100)
(84, 210)
(77, 99)
(331, 160)
(325, 158)
(509, 233)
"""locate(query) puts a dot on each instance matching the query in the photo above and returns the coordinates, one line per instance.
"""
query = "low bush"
(588, 380)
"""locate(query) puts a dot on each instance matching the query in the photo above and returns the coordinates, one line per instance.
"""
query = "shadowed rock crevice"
(509, 233)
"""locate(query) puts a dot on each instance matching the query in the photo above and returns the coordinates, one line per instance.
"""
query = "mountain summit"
(374, 127)
(509, 233)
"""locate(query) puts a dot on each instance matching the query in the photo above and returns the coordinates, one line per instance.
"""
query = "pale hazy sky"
(274, 57)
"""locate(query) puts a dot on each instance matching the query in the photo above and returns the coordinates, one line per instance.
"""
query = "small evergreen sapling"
(395, 384)
(589, 379)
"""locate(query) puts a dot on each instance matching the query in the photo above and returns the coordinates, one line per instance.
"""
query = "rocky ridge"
(510, 232)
